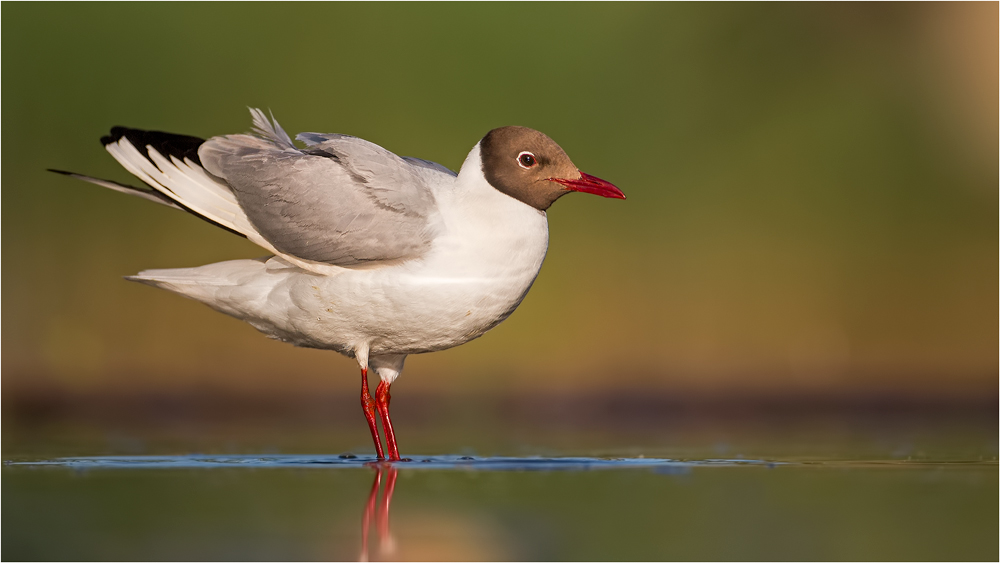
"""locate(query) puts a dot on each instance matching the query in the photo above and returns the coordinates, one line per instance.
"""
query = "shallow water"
(463, 507)
(837, 488)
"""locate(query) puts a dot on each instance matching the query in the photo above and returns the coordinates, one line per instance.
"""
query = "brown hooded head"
(530, 167)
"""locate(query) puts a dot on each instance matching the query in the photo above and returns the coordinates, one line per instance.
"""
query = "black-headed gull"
(374, 256)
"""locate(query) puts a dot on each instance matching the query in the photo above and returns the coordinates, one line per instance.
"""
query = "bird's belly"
(467, 284)
(410, 313)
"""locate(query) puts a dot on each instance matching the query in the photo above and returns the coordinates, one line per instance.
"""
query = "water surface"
(841, 486)
(305, 507)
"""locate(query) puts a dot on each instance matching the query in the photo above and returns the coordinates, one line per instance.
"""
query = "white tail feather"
(213, 284)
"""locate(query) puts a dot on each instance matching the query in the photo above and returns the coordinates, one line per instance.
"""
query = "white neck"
(472, 166)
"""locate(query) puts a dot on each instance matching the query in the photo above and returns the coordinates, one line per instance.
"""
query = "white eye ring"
(526, 156)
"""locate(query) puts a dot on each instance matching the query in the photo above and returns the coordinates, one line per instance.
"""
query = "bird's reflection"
(379, 511)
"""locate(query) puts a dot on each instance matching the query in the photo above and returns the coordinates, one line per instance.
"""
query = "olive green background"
(805, 271)
(812, 188)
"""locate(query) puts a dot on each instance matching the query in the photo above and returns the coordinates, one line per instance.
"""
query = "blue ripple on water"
(416, 462)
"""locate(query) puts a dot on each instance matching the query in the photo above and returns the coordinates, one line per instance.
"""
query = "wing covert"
(342, 200)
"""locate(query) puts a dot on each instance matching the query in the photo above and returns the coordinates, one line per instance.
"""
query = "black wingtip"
(63, 172)
(167, 144)
(118, 131)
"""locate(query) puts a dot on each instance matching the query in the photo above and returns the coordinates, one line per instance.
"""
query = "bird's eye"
(526, 160)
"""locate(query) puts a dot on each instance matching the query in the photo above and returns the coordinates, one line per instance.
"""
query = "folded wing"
(341, 201)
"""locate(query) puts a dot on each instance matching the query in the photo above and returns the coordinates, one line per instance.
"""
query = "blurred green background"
(805, 269)
(812, 189)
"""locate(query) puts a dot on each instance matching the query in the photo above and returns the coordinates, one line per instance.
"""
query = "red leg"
(368, 404)
(382, 401)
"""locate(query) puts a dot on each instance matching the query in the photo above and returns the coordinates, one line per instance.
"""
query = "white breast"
(478, 270)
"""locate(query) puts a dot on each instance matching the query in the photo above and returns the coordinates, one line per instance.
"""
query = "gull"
(373, 255)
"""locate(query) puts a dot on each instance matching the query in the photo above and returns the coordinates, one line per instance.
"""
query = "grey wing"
(430, 167)
(425, 168)
(341, 201)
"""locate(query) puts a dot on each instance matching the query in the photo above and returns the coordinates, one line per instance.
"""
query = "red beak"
(591, 185)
